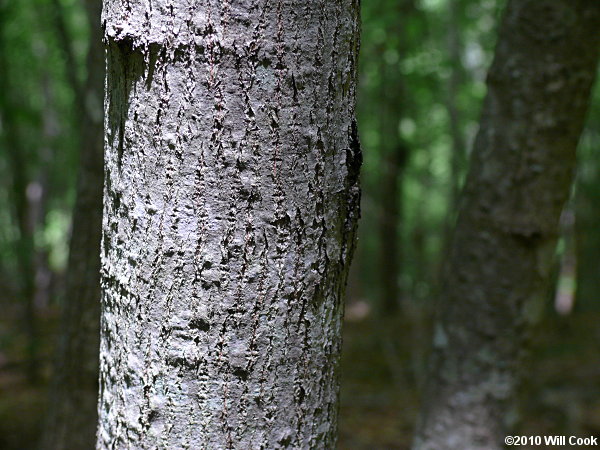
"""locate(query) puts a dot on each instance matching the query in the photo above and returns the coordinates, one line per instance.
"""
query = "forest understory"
(379, 389)
(199, 201)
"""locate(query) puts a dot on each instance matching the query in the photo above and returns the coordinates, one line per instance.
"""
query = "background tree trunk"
(587, 239)
(392, 167)
(455, 83)
(231, 202)
(72, 418)
(23, 213)
(503, 247)
(394, 156)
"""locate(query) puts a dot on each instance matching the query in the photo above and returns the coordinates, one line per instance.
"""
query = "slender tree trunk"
(22, 211)
(521, 172)
(230, 205)
(25, 254)
(38, 193)
(392, 157)
(587, 239)
(393, 165)
(455, 82)
(72, 418)
(395, 154)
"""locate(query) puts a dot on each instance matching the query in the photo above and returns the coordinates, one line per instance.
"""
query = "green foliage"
(38, 124)
(422, 76)
(407, 67)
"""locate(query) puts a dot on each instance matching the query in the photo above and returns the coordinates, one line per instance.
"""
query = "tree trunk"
(392, 169)
(72, 419)
(230, 206)
(587, 237)
(455, 82)
(22, 206)
(521, 172)
(394, 156)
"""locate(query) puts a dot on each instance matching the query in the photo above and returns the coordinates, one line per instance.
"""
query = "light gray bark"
(231, 200)
(499, 263)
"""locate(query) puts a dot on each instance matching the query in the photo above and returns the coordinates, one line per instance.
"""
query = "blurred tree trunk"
(520, 176)
(230, 210)
(395, 154)
(587, 238)
(72, 416)
(455, 82)
(23, 212)
(38, 192)
(25, 245)
(392, 168)
(391, 162)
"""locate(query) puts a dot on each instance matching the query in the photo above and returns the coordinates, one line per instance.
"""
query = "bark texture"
(231, 200)
(503, 247)
(72, 417)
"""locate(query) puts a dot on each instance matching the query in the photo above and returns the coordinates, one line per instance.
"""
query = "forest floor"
(383, 361)
(381, 365)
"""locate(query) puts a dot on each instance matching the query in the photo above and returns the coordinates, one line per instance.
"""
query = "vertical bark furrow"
(230, 209)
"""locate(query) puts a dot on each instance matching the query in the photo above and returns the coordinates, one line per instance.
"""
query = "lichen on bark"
(231, 201)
